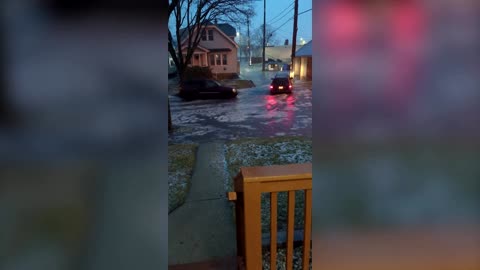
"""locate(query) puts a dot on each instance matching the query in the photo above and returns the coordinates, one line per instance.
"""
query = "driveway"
(254, 113)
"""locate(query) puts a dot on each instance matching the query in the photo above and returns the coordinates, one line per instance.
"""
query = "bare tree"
(271, 37)
(190, 16)
(243, 44)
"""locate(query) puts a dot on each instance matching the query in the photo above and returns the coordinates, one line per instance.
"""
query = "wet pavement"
(254, 113)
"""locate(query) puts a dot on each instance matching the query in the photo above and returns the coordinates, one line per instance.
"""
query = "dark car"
(206, 88)
(281, 83)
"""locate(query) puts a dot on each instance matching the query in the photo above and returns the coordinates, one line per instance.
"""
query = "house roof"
(220, 50)
(226, 28)
(198, 47)
(306, 50)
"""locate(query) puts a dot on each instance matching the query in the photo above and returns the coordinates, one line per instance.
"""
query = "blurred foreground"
(397, 106)
(81, 171)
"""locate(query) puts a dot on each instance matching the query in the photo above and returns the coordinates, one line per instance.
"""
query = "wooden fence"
(249, 185)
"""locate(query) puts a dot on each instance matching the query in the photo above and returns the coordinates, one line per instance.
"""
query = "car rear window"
(282, 75)
(280, 80)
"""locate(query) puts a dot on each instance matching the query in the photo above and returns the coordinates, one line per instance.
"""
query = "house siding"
(303, 68)
(231, 66)
(219, 41)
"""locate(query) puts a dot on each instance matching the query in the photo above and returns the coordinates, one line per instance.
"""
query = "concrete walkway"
(203, 228)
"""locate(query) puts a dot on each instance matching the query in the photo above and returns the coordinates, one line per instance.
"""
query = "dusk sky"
(280, 16)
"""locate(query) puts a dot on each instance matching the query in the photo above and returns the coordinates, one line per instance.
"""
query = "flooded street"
(254, 113)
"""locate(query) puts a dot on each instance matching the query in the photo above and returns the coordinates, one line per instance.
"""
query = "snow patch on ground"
(181, 161)
(264, 152)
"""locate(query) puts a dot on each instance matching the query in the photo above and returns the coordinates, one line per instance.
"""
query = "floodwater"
(253, 113)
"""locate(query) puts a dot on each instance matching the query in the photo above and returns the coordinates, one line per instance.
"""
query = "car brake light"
(271, 86)
(290, 86)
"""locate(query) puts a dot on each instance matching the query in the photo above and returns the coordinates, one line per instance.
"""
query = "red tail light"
(271, 86)
(290, 86)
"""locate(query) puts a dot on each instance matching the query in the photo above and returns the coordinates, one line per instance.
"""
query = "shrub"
(196, 72)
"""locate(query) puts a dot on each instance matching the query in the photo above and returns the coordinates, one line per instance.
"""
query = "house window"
(218, 60)
(210, 34)
(224, 59)
(212, 60)
(204, 35)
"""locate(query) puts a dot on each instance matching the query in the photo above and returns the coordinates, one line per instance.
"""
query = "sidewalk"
(203, 228)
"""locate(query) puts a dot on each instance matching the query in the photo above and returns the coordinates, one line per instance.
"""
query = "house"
(302, 62)
(217, 49)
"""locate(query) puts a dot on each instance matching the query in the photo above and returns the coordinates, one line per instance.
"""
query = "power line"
(275, 21)
(291, 18)
(304, 11)
(281, 13)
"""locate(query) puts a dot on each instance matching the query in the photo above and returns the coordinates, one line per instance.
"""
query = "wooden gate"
(249, 185)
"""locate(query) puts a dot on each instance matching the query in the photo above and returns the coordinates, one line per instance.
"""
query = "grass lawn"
(181, 160)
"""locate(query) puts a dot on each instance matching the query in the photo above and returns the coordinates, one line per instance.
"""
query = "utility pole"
(248, 41)
(264, 30)
(294, 39)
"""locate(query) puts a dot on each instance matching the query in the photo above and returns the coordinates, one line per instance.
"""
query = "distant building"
(280, 53)
(302, 63)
